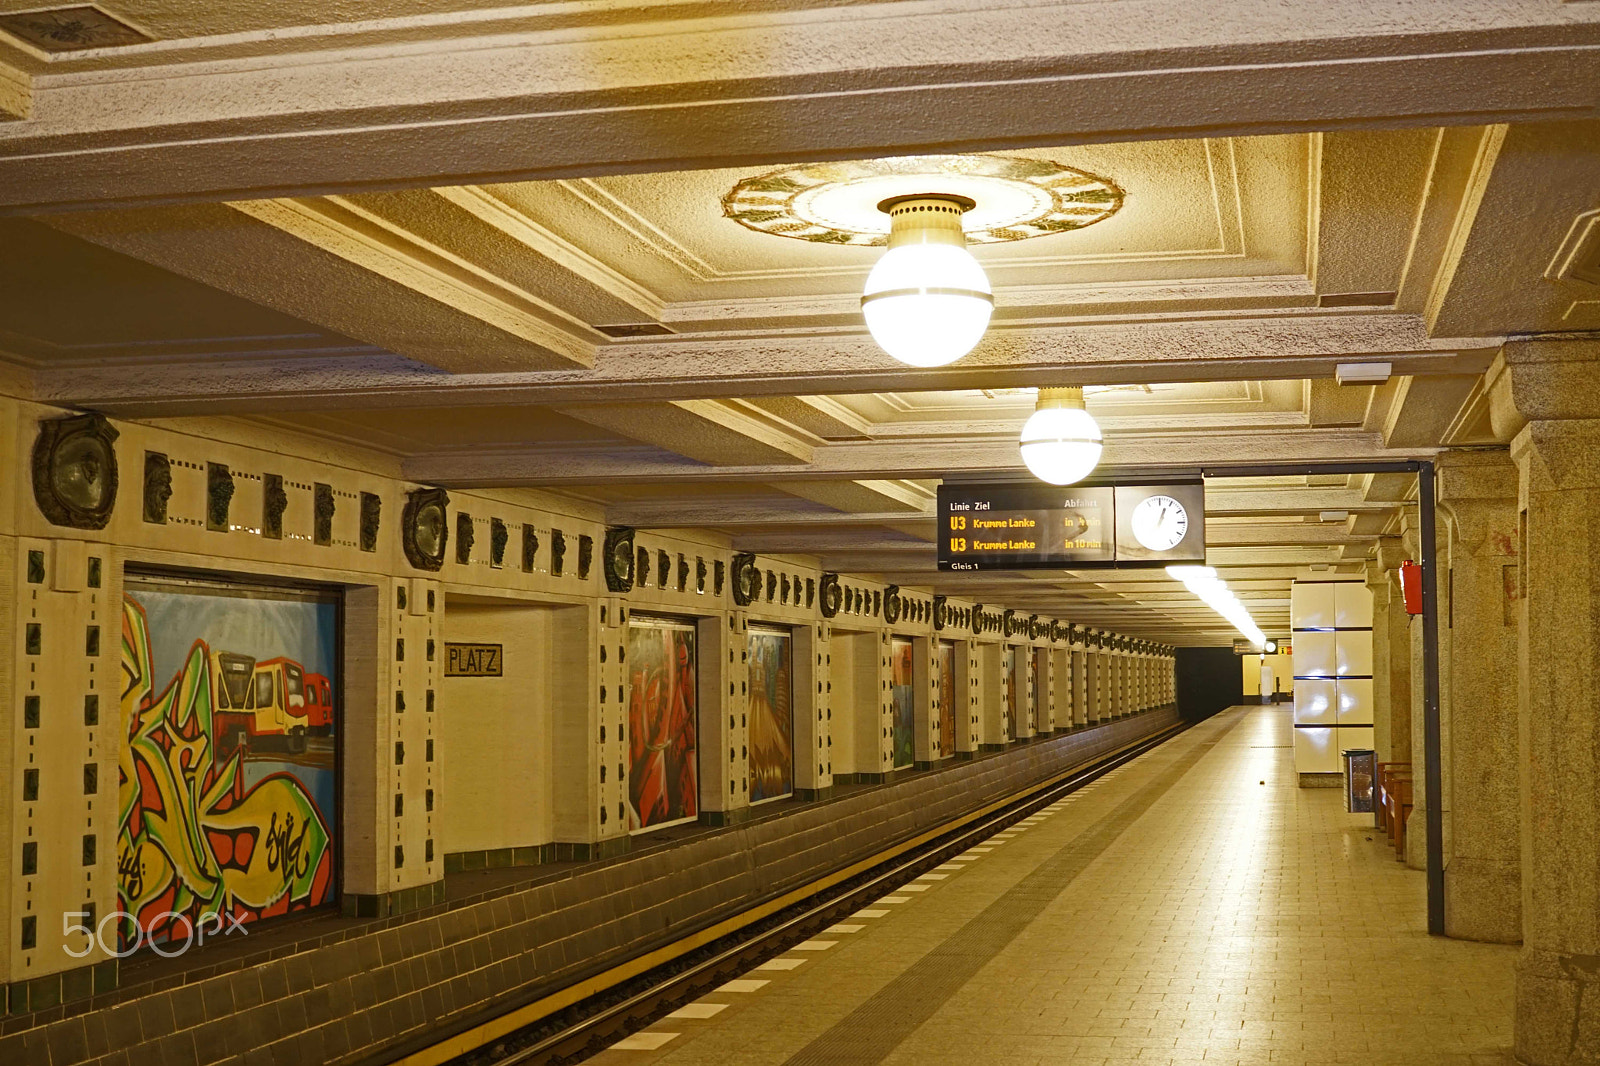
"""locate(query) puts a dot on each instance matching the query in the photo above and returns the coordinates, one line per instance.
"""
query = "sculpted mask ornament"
(274, 501)
(618, 559)
(75, 471)
(465, 537)
(157, 487)
(746, 579)
(558, 552)
(530, 548)
(322, 506)
(371, 518)
(219, 496)
(831, 595)
(424, 528)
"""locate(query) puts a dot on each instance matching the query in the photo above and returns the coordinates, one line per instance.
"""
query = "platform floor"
(1194, 906)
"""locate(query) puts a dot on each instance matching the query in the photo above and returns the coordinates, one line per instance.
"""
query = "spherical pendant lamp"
(927, 301)
(1061, 441)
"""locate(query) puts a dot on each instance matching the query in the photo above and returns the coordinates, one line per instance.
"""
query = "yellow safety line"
(479, 1035)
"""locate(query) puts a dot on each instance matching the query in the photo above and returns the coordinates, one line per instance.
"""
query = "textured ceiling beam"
(422, 102)
(907, 459)
(330, 264)
(1245, 348)
(16, 93)
(707, 431)
(891, 495)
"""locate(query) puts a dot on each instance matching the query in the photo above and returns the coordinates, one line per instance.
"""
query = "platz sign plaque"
(473, 660)
(1074, 527)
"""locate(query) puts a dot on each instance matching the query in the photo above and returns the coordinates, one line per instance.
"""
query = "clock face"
(1159, 523)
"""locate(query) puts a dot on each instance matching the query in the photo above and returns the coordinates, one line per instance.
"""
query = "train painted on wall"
(269, 706)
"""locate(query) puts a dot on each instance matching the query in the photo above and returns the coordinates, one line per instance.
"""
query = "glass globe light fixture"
(927, 301)
(1061, 441)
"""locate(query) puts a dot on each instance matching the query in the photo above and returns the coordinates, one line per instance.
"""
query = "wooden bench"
(1398, 801)
(1385, 807)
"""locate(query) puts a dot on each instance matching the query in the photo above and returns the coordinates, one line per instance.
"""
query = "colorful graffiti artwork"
(904, 716)
(663, 766)
(948, 694)
(226, 784)
(771, 713)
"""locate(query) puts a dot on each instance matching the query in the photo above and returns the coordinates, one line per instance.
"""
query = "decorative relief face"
(837, 203)
(530, 548)
(322, 508)
(75, 471)
(465, 537)
(585, 555)
(219, 496)
(157, 487)
(372, 518)
(274, 501)
(499, 537)
(558, 552)
(425, 529)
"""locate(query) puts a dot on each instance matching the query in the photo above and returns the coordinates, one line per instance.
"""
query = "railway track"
(570, 1026)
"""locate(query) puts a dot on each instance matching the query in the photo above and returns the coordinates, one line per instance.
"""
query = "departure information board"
(1018, 526)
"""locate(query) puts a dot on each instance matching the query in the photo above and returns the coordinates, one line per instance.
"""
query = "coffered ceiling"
(523, 276)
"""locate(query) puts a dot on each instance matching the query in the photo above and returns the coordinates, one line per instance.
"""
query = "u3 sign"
(473, 660)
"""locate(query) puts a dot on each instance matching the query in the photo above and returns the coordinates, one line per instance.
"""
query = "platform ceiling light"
(1204, 582)
(927, 301)
(1061, 441)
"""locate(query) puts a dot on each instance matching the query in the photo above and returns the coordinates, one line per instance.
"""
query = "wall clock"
(1159, 522)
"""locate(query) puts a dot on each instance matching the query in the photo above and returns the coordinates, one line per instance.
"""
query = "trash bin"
(1360, 767)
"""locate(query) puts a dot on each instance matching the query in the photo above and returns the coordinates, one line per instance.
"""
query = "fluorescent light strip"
(1204, 582)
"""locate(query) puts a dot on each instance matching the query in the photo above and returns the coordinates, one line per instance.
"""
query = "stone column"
(1391, 656)
(1483, 893)
(813, 711)
(1099, 699)
(1080, 686)
(1545, 396)
(991, 697)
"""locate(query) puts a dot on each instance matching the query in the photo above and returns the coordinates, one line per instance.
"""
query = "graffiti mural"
(226, 786)
(771, 715)
(947, 697)
(900, 663)
(663, 767)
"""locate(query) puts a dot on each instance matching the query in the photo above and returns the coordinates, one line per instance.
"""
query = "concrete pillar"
(966, 697)
(1544, 396)
(1483, 894)
(1099, 694)
(991, 697)
(723, 661)
(1119, 683)
(1391, 656)
(813, 711)
(1080, 686)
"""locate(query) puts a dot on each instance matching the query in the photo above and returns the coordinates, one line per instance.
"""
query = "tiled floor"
(1194, 906)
